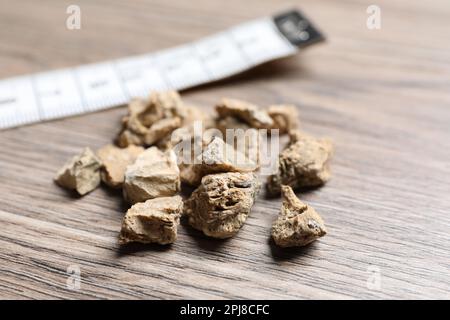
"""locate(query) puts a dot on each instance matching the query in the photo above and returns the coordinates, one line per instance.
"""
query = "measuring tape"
(65, 92)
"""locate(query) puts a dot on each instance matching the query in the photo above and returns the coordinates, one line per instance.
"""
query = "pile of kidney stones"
(144, 164)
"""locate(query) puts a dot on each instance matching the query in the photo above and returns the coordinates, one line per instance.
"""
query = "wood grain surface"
(383, 96)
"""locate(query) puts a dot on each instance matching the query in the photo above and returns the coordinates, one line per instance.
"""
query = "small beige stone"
(196, 123)
(294, 136)
(242, 136)
(249, 143)
(230, 123)
(115, 161)
(298, 224)
(219, 156)
(193, 114)
(137, 106)
(127, 137)
(221, 204)
(176, 136)
(191, 174)
(160, 105)
(304, 163)
(135, 126)
(246, 112)
(214, 156)
(285, 117)
(153, 221)
(161, 129)
(81, 173)
(154, 174)
(151, 120)
(187, 147)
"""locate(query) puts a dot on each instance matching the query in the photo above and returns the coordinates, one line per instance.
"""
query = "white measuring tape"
(65, 92)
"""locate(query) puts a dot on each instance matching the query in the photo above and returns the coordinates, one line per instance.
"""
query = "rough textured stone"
(245, 139)
(176, 136)
(154, 174)
(194, 117)
(230, 123)
(115, 161)
(152, 221)
(194, 113)
(160, 105)
(190, 171)
(219, 156)
(246, 112)
(160, 129)
(285, 117)
(127, 137)
(151, 120)
(298, 224)
(81, 173)
(191, 174)
(221, 204)
(304, 163)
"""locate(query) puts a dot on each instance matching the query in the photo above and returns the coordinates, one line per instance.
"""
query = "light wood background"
(382, 95)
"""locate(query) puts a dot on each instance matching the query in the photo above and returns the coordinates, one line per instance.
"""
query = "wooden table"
(382, 95)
